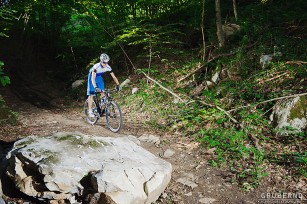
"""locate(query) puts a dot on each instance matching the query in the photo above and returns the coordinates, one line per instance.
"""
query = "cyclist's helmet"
(104, 57)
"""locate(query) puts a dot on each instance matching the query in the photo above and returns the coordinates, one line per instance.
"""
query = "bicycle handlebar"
(111, 90)
(108, 91)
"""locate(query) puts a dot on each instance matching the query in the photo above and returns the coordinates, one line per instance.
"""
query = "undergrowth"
(246, 149)
(7, 116)
(230, 116)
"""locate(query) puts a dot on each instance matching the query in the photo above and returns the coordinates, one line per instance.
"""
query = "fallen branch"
(166, 89)
(273, 78)
(231, 118)
(202, 66)
(274, 99)
(224, 111)
(296, 62)
(191, 73)
(210, 60)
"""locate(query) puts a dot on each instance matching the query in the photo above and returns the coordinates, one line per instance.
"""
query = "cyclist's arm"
(114, 78)
(94, 78)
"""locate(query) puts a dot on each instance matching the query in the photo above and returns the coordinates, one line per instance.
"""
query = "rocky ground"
(193, 179)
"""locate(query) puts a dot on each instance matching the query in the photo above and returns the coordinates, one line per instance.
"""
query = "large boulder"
(3, 164)
(73, 166)
(230, 29)
(290, 116)
(1, 172)
(77, 83)
(1, 193)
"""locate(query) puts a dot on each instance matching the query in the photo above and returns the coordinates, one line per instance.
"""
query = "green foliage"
(150, 40)
(146, 70)
(297, 157)
(296, 162)
(235, 149)
(78, 30)
(6, 17)
(167, 34)
(5, 80)
(7, 116)
(300, 161)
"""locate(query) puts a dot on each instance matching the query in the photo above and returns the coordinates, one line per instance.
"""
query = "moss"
(73, 139)
(68, 137)
(79, 140)
(25, 143)
(299, 110)
(92, 143)
(50, 157)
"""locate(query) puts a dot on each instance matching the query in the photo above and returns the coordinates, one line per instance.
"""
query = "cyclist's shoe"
(91, 114)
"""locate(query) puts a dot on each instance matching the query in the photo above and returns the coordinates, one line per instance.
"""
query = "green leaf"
(5, 80)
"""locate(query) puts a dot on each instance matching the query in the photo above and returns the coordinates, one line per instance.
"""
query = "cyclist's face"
(104, 63)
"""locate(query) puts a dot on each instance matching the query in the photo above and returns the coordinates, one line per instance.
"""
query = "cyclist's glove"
(118, 88)
(97, 90)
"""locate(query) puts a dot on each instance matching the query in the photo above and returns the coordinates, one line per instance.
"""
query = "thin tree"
(219, 32)
(235, 11)
(202, 30)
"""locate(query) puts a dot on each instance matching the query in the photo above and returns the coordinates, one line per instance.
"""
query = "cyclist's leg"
(90, 92)
(100, 85)
(90, 101)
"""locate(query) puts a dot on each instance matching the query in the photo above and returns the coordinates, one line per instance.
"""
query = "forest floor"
(193, 179)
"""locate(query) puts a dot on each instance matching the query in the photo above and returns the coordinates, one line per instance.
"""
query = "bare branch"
(201, 66)
(273, 78)
(296, 62)
(166, 89)
(224, 111)
(274, 99)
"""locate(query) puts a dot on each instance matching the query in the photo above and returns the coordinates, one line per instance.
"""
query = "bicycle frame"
(97, 100)
(109, 108)
(107, 99)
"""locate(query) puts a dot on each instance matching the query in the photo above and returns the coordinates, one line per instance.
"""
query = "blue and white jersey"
(100, 69)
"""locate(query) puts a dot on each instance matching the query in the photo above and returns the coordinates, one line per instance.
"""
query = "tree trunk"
(234, 4)
(202, 31)
(220, 32)
(133, 10)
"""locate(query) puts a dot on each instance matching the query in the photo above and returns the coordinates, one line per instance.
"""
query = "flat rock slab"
(70, 166)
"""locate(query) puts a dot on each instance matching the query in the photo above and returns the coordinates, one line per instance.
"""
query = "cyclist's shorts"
(90, 88)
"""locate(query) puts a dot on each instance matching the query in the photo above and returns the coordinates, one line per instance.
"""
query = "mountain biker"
(95, 83)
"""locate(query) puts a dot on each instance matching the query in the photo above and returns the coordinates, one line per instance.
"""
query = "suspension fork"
(98, 102)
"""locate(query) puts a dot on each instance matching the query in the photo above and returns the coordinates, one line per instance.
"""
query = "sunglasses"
(104, 62)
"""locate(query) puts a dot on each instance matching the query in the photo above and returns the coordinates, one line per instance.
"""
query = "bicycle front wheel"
(91, 119)
(113, 116)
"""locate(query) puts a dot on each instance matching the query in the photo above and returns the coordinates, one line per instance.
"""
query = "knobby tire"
(114, 116)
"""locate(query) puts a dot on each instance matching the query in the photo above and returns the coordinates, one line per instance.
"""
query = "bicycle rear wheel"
(91, 120)
(113, 116)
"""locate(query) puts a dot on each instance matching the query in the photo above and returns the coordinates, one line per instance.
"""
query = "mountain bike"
(105, 106)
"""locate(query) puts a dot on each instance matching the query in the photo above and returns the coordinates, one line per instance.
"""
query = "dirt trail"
(193, 179)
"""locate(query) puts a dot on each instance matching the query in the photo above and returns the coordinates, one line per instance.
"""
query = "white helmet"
(104, 57)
